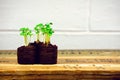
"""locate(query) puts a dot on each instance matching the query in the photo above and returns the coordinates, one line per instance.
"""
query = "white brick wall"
(78, 24)
(105, 15)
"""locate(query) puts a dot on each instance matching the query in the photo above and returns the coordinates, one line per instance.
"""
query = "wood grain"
(87, 67)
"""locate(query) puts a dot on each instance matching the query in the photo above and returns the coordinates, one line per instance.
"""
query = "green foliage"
(25, 32)
(38, 28)
(48, 30)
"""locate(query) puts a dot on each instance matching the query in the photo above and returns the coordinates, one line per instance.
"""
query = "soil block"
(47, 54)
(37, 46)
(26, 55)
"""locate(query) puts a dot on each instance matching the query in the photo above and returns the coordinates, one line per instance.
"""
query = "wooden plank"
(71, 60)
(81, 67)
(60, 71)
(68, 53)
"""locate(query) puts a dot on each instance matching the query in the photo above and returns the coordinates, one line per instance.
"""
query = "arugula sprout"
(25, 32)
(38, 30)
(47, 31)
(44, 29)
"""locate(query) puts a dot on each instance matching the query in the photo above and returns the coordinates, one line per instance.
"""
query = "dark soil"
(37, 53)
(48, 54)
(26, 54)
(37, 50)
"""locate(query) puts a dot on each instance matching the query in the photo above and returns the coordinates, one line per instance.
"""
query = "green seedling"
(38, 30)
(47, 32)
(25, 32)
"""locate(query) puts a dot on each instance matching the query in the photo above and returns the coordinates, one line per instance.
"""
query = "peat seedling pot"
(37, 46)
(26, 55)
(37, 52)
(48, 54)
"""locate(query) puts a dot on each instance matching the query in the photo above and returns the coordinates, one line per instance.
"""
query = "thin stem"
(26, 40)
(47, 39)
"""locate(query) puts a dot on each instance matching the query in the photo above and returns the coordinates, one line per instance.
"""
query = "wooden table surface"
(68, 68)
